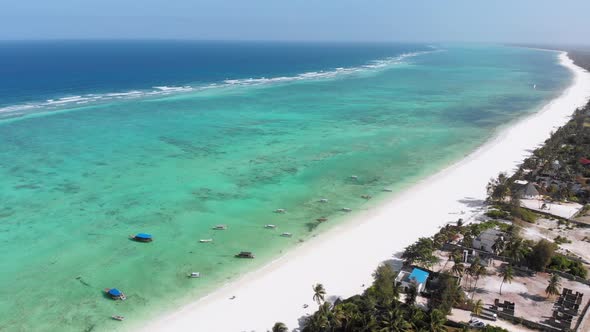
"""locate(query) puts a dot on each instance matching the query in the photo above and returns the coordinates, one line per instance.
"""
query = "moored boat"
(280, 211)
(286, 234)
(323, 200)
(195, 275)
(115, 294)
(205, 240)
(220, 227)
(142, 237)
(322, 219)
(270, 226)
(366, 196)
(245, 254)
(346, 209)
(117, 317)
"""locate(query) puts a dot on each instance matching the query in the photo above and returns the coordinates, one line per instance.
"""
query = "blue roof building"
(417, 277)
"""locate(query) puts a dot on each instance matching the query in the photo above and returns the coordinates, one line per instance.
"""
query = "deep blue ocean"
(33, 72)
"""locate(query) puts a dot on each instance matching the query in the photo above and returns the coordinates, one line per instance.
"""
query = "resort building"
(486, 241)
(417, 278)
(529, 191)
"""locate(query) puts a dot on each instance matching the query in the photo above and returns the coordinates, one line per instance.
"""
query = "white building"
(487, 239)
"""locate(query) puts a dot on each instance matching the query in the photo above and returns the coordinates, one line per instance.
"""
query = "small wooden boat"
(366, 196)
(220, 227)
(286, 235)
(117, 317)
(195, 275)
(205, 240)
(323, 200)
(270, 226)
(245, 254)
(322, 219)
(115, 294)
(346, 209)
(280, 211)
(141, 237)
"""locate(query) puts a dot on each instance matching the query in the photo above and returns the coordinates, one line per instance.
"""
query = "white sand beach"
(344, 258)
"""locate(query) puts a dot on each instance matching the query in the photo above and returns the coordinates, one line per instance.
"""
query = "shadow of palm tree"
(533, 297)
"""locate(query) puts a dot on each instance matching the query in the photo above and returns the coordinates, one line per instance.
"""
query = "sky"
(518, 21)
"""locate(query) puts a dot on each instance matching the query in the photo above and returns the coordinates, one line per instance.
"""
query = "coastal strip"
(344, 258)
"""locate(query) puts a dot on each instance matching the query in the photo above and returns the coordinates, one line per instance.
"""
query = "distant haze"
(532, 21)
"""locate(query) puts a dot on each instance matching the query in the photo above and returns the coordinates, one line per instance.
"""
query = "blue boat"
(142, 237)
(115, 294)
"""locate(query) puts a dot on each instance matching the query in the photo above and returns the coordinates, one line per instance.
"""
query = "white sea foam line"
(167, 90)
(344, 257)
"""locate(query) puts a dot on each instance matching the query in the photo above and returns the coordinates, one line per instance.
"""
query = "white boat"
(205, 240)
(323, 200)
(220, 227)
(270, 226)
(354, 177)
(346, 209)
(387, 190)
(286, 235)
(117, 317)
(195, 275)
(280, 211)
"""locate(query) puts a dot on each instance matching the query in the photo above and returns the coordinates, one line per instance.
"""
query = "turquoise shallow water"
(75, 184)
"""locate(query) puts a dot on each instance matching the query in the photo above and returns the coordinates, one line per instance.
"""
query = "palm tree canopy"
(437, 321)
(279, 327)
(319, 293)
(554, 284)
(507, 274)
(478, 307)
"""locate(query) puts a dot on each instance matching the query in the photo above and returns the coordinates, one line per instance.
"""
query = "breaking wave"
(15, 111)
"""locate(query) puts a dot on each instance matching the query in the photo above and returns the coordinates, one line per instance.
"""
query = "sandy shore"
(344, 258)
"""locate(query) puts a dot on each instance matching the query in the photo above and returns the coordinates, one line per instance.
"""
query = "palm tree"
(437, 321)
(397, 290)
(392, 320)
(477, 273)
(458, 269)
(516, 249)
(415, 317)
(411, 295)
(315, 323)
(279, 327)
(318, 293)
(553, 287)
(507, 276)
(478, 307)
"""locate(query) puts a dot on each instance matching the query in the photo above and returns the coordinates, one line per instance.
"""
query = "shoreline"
(344, 257)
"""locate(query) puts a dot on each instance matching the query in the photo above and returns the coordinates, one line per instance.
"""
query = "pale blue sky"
(564, 21)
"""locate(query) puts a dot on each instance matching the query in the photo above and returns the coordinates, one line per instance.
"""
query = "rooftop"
(419, 275)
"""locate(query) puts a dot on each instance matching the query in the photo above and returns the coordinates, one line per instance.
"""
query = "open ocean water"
(103, 139)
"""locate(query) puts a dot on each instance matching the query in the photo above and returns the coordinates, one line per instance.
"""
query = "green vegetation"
(279, 327)
(524, 214)
(498, 214)
(561, 240)
(553, 287)
(507, 276)
(541, 255)
(378, 309)
(421, 253)
(565, 264)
